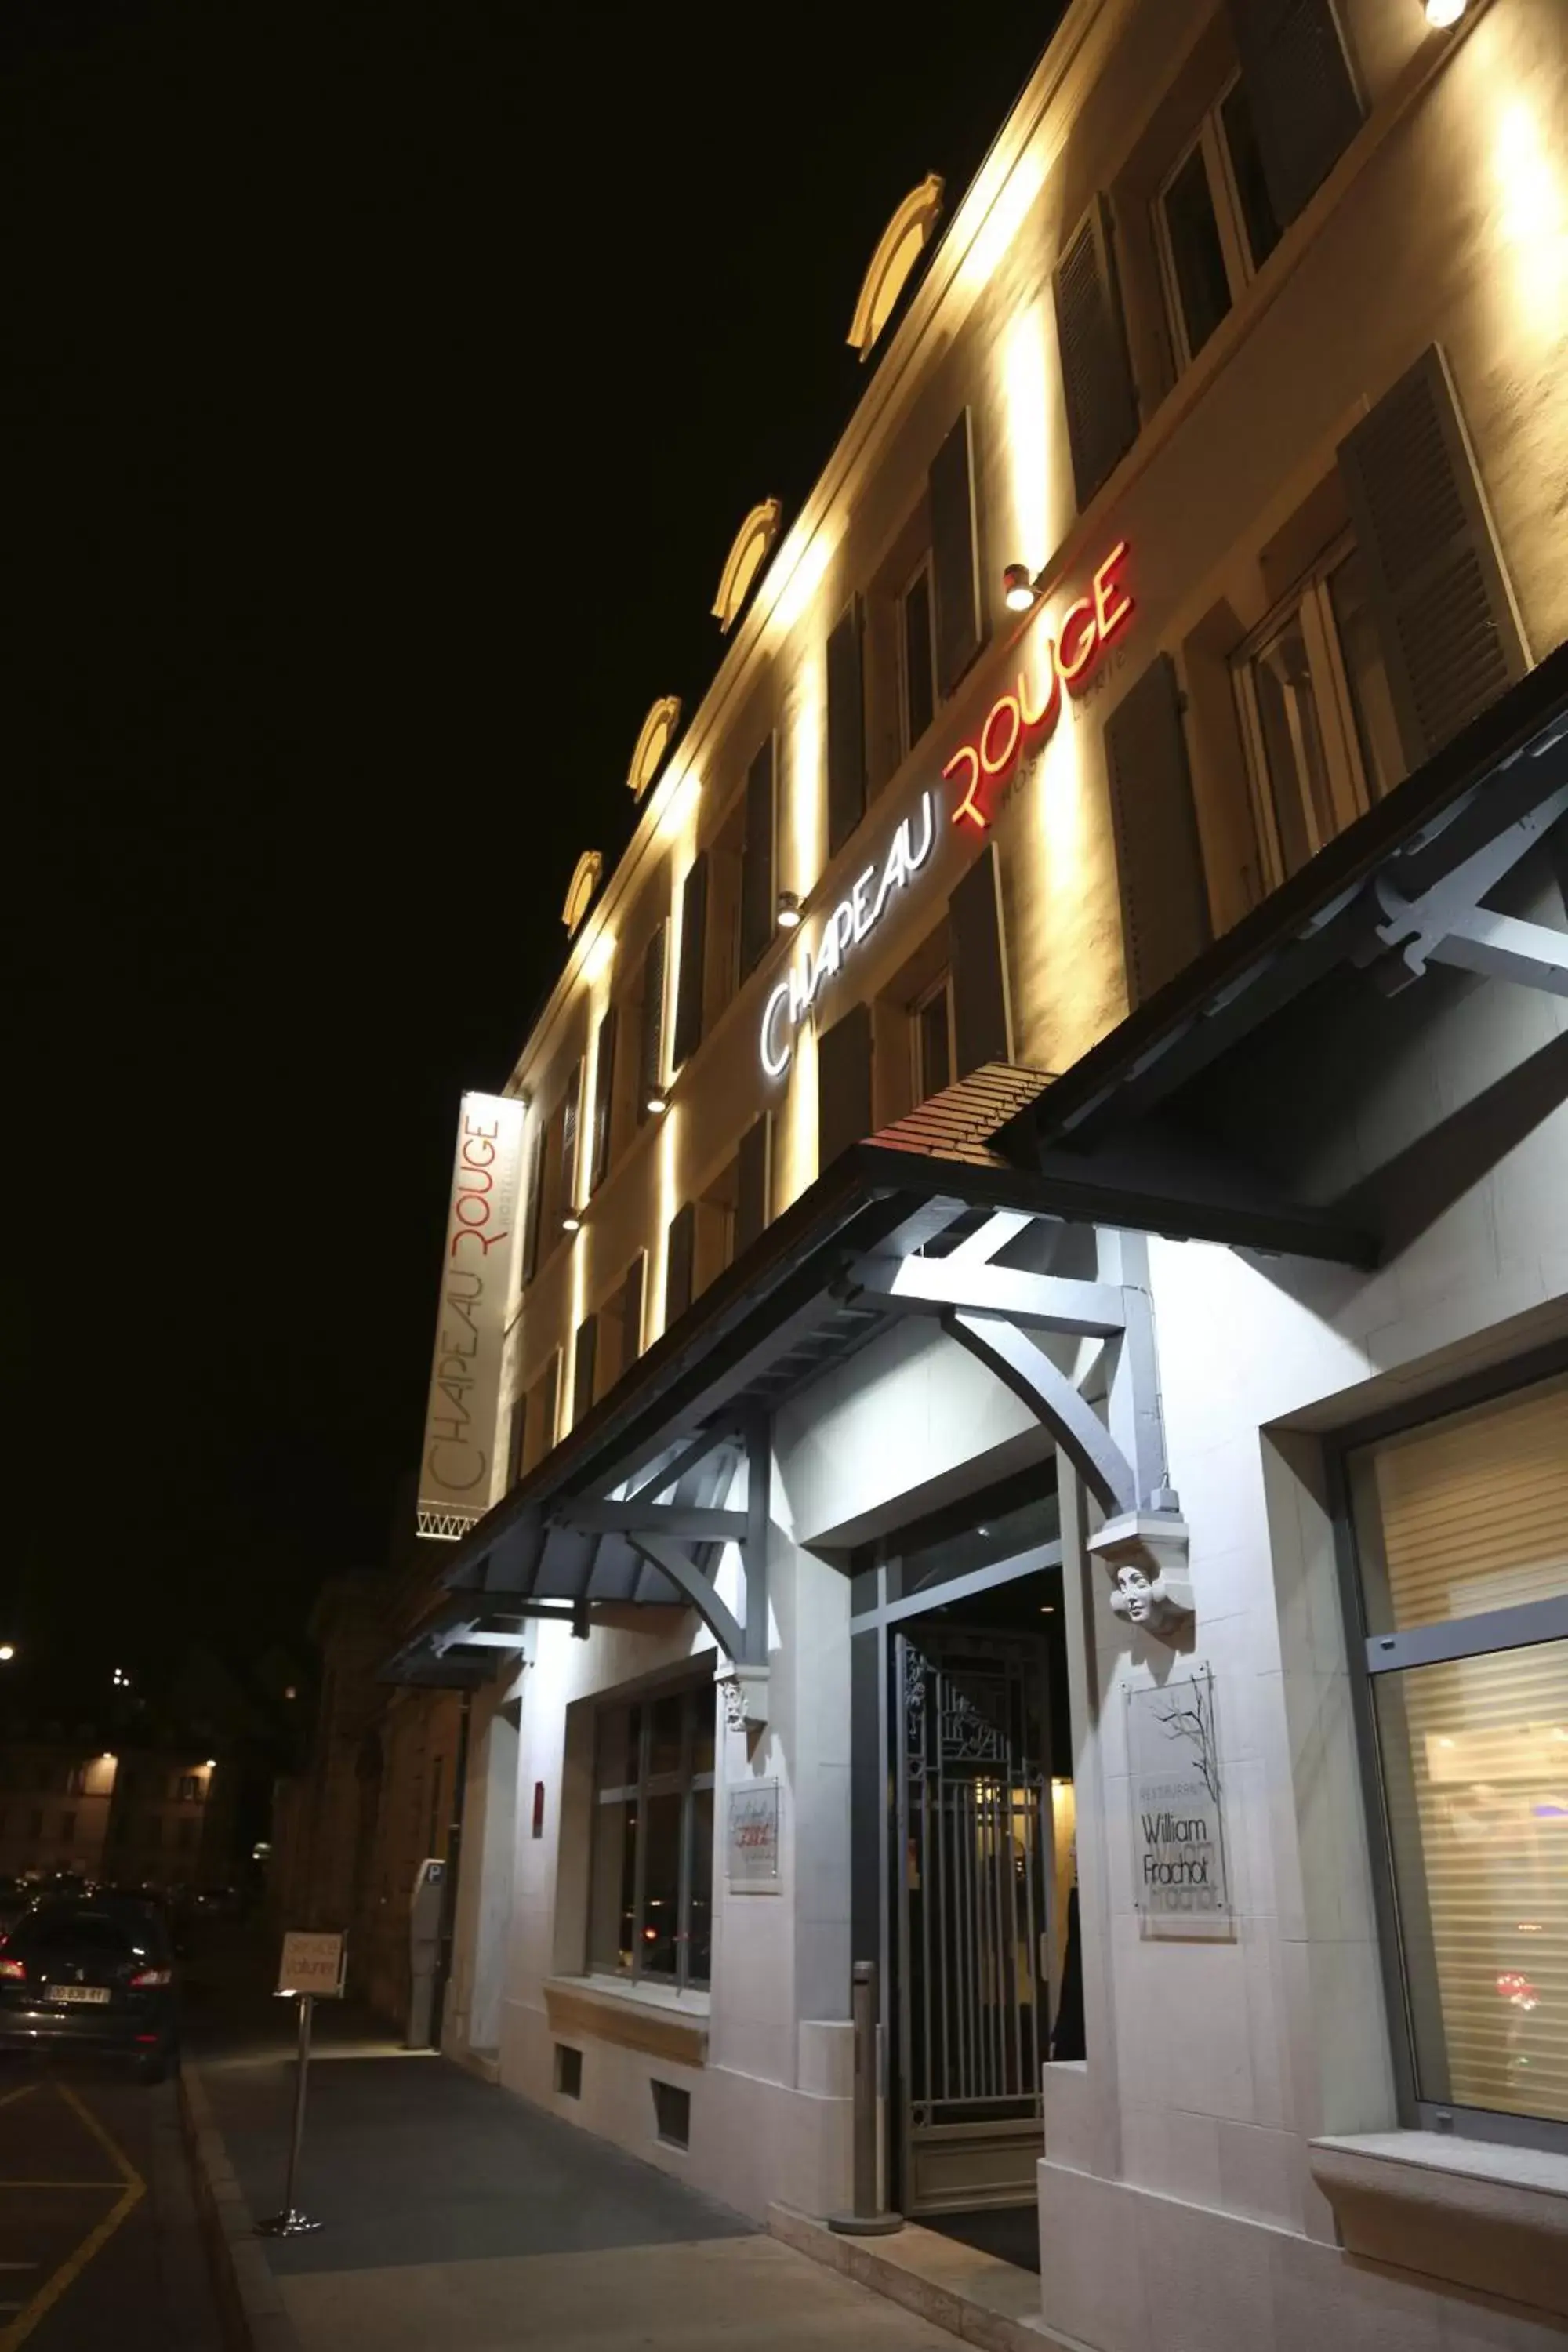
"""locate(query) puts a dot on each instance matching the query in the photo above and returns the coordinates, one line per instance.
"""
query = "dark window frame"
(1367, 1655)
(688, 1784)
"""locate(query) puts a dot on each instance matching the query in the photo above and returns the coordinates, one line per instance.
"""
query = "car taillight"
(144, 1977)
(12, 1968)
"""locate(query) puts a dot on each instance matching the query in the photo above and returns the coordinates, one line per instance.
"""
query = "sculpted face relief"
(1016, 720)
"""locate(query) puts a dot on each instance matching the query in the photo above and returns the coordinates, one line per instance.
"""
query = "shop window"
(651, 1904)
(1460, 1543)
(1215, 224)
(931, 1037)
(1316, 713)
(917, 657)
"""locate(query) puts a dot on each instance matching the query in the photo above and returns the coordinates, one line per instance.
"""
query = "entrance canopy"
(1217, 1111)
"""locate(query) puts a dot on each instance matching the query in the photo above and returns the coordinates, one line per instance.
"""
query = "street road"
(99, 2240)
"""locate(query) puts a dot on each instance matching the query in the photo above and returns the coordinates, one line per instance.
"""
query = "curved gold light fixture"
(658, 734)
(752, 545)
(899, 248)
(584, 882)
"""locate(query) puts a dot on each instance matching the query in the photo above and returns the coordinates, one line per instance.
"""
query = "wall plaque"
(1180, 1884)
(751, 1838)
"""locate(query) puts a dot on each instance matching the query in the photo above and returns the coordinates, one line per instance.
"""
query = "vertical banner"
(461, 1421)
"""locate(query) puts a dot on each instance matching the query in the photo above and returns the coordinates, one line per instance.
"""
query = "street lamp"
(7, 1652)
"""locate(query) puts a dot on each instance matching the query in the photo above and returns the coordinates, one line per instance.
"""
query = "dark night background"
(384, 385)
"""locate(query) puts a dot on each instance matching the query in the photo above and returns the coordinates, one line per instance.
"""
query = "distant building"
(146, 1816)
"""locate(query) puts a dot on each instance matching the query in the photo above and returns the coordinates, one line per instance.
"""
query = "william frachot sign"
(1179, 1879)
(311, 1963)
(751, 1838)
(458, 1456)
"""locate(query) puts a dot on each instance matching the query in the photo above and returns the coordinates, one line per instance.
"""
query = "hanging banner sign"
(1179, 1880)
(476, 1278)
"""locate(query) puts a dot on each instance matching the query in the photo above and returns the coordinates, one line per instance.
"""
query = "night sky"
(385, 384)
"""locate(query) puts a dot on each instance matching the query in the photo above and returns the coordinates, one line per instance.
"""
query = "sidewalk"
(455, 2214)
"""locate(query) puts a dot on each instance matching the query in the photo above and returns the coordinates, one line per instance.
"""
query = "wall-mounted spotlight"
(658, 1103)
(790, 910)
(1444, 13)
(571, 1222)
(1017, 588)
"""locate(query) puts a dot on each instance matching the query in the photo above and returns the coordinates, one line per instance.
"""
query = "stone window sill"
(1474, 2213)
(655, 2019)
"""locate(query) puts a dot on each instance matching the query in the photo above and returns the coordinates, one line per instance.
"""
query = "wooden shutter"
(1450, 633)
(954, 556)
(603, 1099)
(843, 1085)
(757, 906)
(516, 1436)
(678, 1251)
(631, 1310)
(751, 1181)
(650, 1057)
(846, 727)
(1159, 860)
(584, 1355)
(1299, 87)
(981, 1009)
(1091, 334)
(693, 945)
(569, 1114)
(532, 1217)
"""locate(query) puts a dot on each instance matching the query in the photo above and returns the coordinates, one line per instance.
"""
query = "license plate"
(78, 1992)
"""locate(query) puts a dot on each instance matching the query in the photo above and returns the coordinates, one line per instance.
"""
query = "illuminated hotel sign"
(1028, 717)
(850, 920)
(1014, 721)
(475, 1273)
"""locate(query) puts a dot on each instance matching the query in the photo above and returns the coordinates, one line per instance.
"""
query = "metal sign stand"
(292, 2222)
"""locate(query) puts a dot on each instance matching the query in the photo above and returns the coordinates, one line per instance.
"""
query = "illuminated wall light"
(804, 773)
(668, 1204)
(1027, 403)
(1018, 587)
(679, 813)
(1533, 219)
(802, 570)
(570, 1223)
(1444, 13)
(1004, 216)
(789, 911)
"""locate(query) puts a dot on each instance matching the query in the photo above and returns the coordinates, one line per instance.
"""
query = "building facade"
(1029, 1437)
(138, 1816)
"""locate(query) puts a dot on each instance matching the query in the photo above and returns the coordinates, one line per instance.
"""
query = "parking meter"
(424, 1948)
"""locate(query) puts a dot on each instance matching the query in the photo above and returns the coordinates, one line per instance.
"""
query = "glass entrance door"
(974, 1913)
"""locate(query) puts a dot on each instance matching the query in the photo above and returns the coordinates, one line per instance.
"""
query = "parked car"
(92, 1971)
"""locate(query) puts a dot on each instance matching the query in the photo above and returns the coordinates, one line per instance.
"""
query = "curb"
(250, 2305)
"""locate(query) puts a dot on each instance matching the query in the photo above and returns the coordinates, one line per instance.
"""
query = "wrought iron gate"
(973, 1924)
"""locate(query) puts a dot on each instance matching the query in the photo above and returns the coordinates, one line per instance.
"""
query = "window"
(1460, 1541)
(1317, 716)
(76, 1781)
(1214, 223)
(652, 1913)
(190, 1789)
(917, 656)
(933, 1039)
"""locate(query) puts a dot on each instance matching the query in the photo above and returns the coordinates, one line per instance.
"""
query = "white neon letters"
(847, 924)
